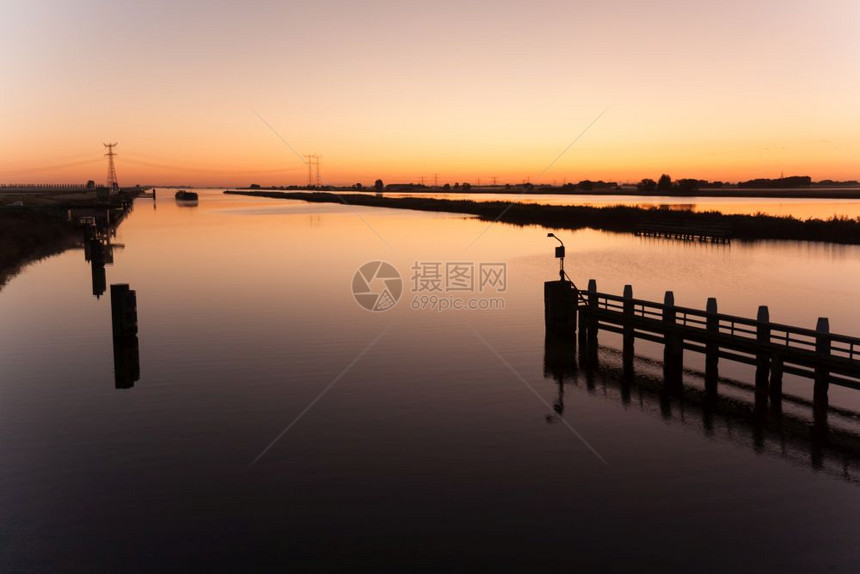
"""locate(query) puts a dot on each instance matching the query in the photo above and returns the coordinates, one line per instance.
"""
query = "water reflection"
(828, 441)
(126, 355)
(100, 226)
(98, 251)
(559, 363)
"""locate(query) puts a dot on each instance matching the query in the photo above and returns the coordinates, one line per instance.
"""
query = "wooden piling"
(762, 371)
(673, 350)
(822, 350)
(629, 332)
(712, 347)
(593, 318)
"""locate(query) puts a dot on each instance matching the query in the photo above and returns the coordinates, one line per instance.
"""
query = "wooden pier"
(705, 232)
(773, 348)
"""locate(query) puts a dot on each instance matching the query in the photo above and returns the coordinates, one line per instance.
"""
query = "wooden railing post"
(673, 352)
(712, 347)
(762, 370)
(629, 338)
(592, 322)
(822, 350)
(592, 319)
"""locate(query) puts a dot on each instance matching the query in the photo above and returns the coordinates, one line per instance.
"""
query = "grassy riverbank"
(619, 218)
(27, 236)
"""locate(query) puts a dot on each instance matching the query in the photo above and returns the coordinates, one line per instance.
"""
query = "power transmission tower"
(313, 162)
(435, 180)
(317, 165)
(494, 180)
(308, 160)
(111, 179)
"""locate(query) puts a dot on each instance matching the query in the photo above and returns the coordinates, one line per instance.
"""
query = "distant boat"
(183, 195)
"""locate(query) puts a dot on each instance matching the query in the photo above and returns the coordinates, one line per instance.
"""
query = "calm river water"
(278, 425)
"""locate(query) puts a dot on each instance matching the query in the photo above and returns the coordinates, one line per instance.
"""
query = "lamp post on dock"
(560, 299)
(559, 254)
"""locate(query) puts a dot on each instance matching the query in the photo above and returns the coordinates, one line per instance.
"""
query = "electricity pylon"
(111, 179)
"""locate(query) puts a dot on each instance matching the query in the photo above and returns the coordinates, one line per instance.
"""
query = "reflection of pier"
(780, 431)
(99, 228)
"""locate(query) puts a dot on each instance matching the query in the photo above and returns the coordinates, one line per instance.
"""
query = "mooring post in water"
(762, 369)
(629, 335)
(673, 351)
(712, 347)
(560, 299)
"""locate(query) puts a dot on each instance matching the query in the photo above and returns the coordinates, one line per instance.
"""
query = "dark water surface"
(435, 446)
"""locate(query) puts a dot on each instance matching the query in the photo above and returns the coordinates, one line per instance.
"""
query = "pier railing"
(774, 348)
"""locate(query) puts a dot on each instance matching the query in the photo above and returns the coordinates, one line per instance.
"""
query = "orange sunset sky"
(468, 89)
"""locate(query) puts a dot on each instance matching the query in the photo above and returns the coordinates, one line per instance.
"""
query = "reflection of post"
(126, 357)
(99, 277)
(95, 253)
(559, 361)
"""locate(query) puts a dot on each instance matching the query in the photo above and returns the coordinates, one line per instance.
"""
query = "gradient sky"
(468, 89)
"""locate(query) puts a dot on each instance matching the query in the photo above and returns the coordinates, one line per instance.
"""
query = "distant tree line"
(665, 184)
(781, 182)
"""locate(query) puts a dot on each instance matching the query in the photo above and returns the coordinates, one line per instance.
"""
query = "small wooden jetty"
(773, 348)
(717, 232)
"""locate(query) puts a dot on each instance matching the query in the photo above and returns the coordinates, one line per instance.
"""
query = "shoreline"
(38, 227)
(725, 193)
(617, 218)
(28, 236)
